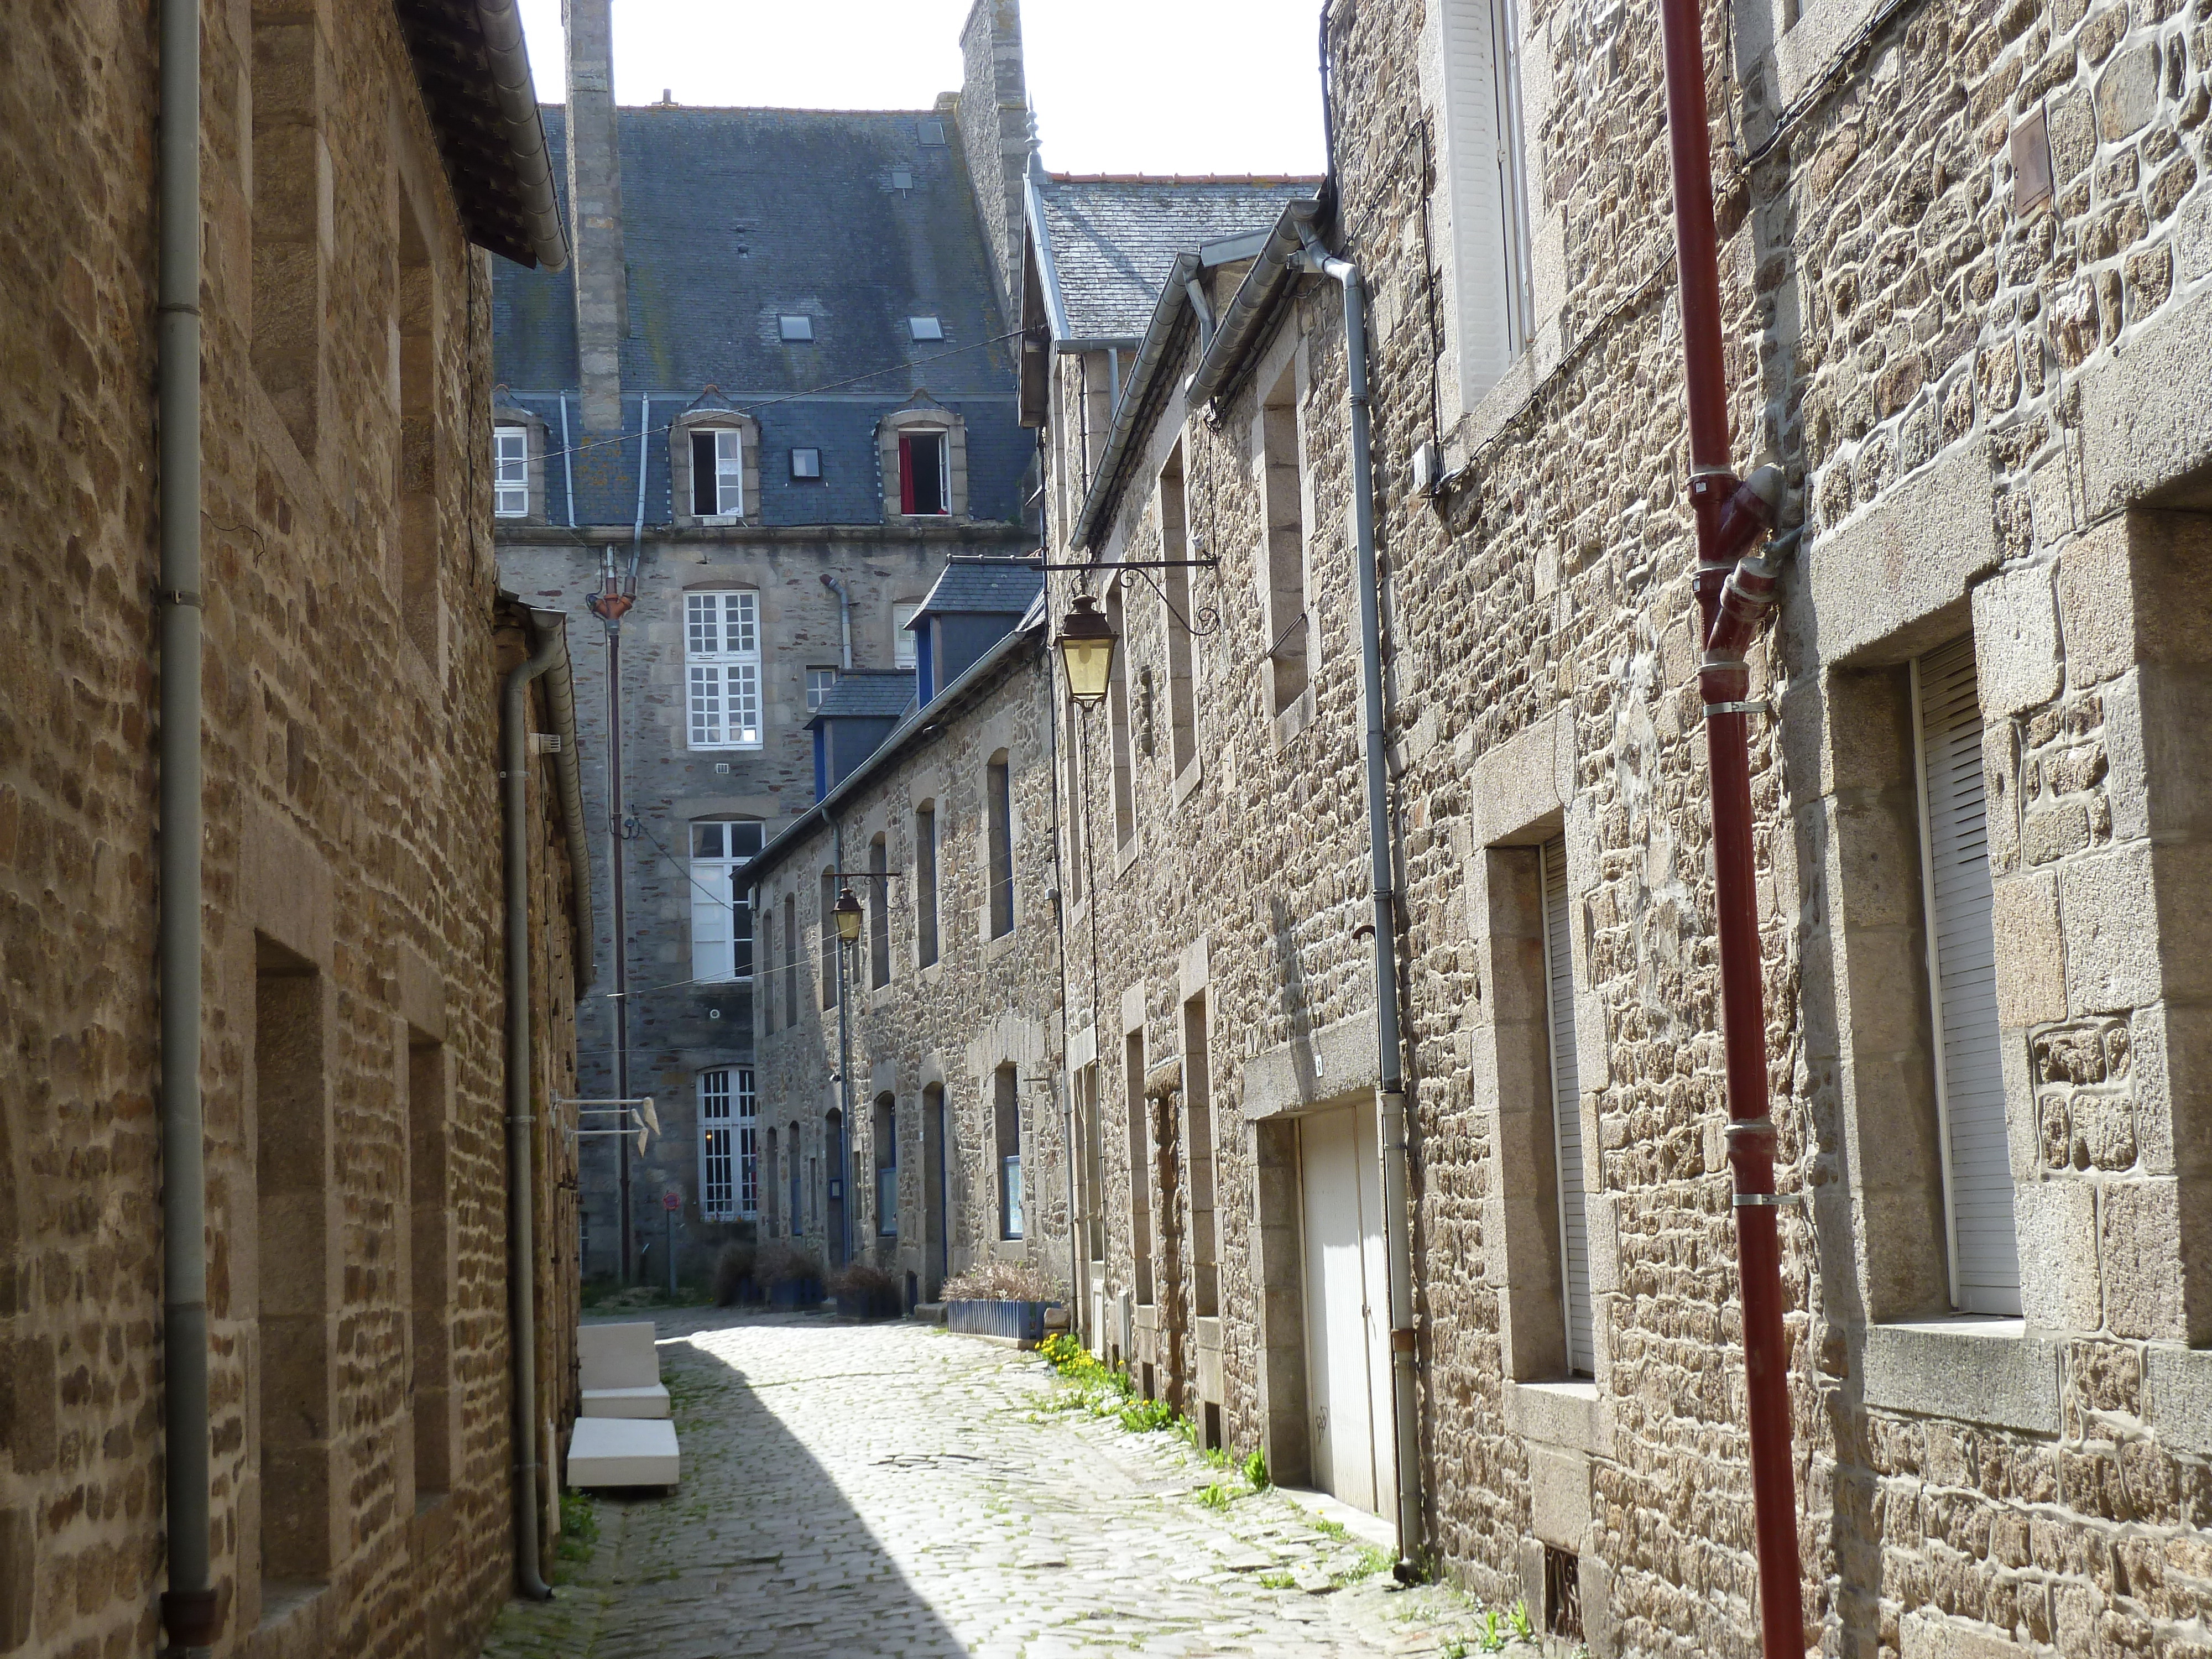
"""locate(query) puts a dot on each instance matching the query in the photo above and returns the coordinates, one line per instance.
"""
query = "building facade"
(344, 1459)
(947, 1148)
(1964, 281)
(767, 428)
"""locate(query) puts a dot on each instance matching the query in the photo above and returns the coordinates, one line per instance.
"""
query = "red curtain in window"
(906, 475)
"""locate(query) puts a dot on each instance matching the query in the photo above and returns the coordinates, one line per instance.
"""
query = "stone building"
(947, 1148)
(327, 1422)
(771, 395)
(1967, 273)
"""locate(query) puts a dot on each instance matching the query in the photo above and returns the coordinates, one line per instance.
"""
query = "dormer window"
(924, 328)
(796, 328)
(717, 472)
(806, 463)
(510, 451)
(925, 479)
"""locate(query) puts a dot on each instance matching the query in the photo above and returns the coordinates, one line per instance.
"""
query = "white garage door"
(1347, 1309)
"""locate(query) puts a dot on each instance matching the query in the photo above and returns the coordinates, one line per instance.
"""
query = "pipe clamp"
(1759, 707)
(179, 596)
(1767, 1201)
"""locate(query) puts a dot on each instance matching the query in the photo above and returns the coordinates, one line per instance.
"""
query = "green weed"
(1276, 1580)
(1372, 1561)
(1143, 1416)
(1215, 1496)
(1255, 1470)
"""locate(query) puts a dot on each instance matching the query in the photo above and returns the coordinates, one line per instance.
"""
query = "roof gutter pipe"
(836, 586)
(1390, 1089)
(551, 648)
(190, 1609)
(1733, 599)
(644, 454)
(526, 133)
(1203, 311)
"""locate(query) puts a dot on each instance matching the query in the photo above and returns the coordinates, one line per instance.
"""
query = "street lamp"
(847, 912)
(1086, 646)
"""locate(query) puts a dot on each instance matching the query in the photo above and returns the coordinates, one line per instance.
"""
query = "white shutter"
(1566, 1109)
(748, 1143)
(717, 1195)
(741, 702)
(1484, 168)
(713, 947)
(707, 705)
(729, 472)
(1962, 971)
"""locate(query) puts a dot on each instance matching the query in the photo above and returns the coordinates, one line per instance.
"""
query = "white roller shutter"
(1485, 170)
(1962, 972)
(1566, 1110)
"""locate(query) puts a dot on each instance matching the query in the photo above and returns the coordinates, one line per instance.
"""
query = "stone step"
(621, 1451)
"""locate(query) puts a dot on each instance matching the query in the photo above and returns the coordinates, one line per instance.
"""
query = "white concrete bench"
(621, 1370)
(619, 1451)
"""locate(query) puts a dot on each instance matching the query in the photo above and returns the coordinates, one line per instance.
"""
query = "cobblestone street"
(891, 1489)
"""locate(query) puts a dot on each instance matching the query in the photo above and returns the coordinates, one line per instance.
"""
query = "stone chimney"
(595, 200)
(995, 133)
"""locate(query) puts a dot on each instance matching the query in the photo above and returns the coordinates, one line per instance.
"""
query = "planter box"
(876, 1305)
(1012, 1322)
(795, 1294)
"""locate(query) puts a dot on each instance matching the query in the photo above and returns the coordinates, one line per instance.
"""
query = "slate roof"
(873, 693)
(733, 218)
(1112, 239)
(990, 587)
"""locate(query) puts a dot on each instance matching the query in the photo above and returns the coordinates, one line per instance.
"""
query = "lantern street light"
(847, 912)
(1086, 646)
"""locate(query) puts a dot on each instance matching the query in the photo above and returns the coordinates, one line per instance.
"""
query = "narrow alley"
(890, 1489)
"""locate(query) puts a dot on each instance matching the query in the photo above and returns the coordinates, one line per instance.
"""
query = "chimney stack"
(595, 200)
(995, 134)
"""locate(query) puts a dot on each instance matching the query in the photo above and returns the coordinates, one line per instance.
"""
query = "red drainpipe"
(1733, 600)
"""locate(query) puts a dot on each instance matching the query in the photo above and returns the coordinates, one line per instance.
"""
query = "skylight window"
(932, 132)
(924, 328)
(806, 463)
(796, 328)
(901, 179)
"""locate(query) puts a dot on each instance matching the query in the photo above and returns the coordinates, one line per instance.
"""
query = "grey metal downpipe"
(843, 1168)
(190, 1609)
(522, 1248)
(844, 621)
(1390, 1091)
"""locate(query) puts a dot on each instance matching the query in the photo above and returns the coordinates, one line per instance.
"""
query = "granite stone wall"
(354, 960)
(977, 1027)
(1994, 410)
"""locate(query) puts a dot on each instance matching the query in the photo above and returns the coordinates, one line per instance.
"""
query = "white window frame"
(729, 1143)
(714, 903)
(722, 668)
(510, 471)
(905, 652)
(795, 329)
(816, 691)
(1486, 179)
(729, 470)
(926, 330)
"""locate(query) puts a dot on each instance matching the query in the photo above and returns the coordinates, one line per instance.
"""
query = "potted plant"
(864, 1291)
(735, 1278)
(792, 1276)
(1008, 1300)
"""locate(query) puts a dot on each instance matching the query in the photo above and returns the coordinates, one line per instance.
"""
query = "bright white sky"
(1122, 86)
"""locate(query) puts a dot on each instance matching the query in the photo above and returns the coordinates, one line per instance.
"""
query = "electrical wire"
(789, 396)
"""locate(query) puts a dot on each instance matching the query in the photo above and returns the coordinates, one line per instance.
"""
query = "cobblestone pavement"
(892, 1490)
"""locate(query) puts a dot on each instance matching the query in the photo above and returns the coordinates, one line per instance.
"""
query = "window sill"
(996, 948)
(1569, 1413)
(881, 996)
(1295, 719)
(933, 973)
(1124, 856)
(1187, 780)
(1975, 1368)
